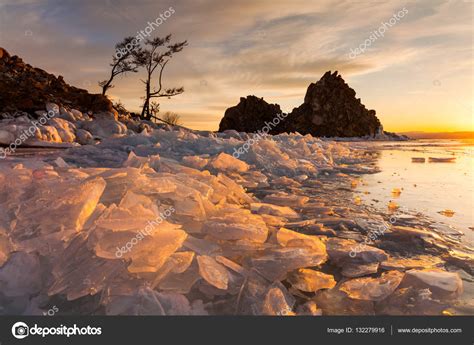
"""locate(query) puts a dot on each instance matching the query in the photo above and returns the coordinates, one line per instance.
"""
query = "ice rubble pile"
(168, 222)
(62, 126)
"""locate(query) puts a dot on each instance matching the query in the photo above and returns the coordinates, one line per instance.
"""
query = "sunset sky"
(418, 76)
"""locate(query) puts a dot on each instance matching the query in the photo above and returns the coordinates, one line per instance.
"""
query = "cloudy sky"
(418, 76)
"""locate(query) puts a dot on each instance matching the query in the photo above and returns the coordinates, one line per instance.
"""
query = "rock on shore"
(250, 116)
(26, 88)
(330, 109)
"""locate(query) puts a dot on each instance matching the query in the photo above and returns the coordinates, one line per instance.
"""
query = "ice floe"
(141, 220)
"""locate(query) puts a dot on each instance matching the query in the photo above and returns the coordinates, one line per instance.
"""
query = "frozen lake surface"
(430, 187)
(169, 222)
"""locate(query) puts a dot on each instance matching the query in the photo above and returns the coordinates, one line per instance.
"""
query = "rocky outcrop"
(330, 109)
(250, 116)
(39, 110)
(26, 88)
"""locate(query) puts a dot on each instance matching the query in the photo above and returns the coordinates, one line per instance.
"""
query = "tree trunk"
(107, 85)
(105, 88)
(146, 105)
(146, 110)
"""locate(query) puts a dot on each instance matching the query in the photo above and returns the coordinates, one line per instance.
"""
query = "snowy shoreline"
(269, 233)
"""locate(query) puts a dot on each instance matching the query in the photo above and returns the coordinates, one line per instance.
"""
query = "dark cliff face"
(249, 115)
(23, 87)
(330, 109)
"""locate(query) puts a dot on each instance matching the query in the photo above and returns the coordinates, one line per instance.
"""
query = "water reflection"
(442, 190)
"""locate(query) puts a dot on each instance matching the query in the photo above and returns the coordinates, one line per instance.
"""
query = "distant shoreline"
(438, 135)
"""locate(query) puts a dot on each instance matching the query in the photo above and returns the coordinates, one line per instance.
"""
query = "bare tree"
(120, 107)
(122, 62)
(154, 57)
(168, 117)
(154, 108)
(172, 118)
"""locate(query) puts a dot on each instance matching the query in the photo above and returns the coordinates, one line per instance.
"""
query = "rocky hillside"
(38, 109)
(330, 109)
(26, 88)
